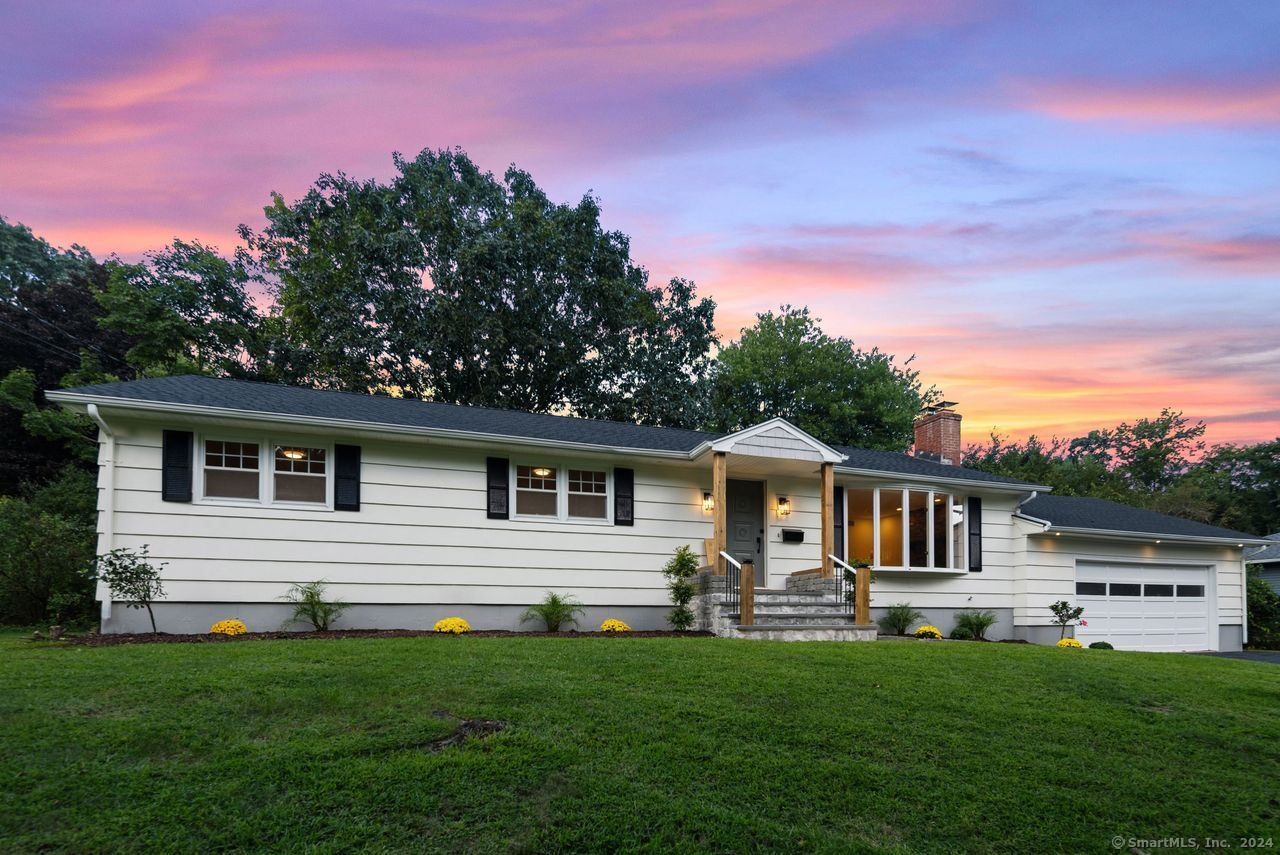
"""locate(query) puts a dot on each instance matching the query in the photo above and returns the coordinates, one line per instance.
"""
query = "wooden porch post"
(862, 604)
(828, 519)
(720, 511)
(747, 594)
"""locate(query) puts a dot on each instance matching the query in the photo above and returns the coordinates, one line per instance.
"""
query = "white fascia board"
(726, 443)
(1148, 536)
(912, 478)
(354, 426)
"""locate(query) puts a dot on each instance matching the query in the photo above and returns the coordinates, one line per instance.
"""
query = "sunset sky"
(1069, 211)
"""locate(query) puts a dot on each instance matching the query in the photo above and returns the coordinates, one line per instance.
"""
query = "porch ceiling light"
(708, 503)
(541, 471)
(784, 506)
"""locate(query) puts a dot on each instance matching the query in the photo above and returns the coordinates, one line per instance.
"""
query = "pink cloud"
(1155, 103)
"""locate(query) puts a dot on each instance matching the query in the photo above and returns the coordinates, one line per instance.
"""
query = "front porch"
(756, 525)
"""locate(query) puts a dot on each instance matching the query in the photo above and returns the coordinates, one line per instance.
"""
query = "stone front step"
(767, 597)
(776, 618)
(833, 609)
(805, 632)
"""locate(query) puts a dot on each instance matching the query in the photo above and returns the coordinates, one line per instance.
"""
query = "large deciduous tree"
(787, 366)
(452, 284)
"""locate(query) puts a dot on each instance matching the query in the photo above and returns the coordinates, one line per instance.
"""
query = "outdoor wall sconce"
(784, 506)
(708, 503)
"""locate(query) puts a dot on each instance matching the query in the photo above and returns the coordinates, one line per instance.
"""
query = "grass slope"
(655, 745)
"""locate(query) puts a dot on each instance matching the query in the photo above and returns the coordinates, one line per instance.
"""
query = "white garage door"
(1144, 606)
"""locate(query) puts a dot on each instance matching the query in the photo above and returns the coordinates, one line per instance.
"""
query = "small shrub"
(454, 625)
(899, 617)
(132, 578)
(1063, 614)
(680, 570)
(614, 625)
(961, 634)
(928, 632)
(310, 605)
(1264, 612)
(228, 627)
(1101, 645)
(554, 610)
(1069, 642)
(977, 621)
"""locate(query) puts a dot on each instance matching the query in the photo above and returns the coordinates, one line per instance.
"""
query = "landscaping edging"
(99, 640)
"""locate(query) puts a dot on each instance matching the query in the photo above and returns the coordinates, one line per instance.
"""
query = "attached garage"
(1145, 606)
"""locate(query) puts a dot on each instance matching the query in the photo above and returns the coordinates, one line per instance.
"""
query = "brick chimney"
(938, 434)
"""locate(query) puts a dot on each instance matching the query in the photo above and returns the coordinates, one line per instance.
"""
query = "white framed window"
(907, 528)
(264, 471)
(554, 490)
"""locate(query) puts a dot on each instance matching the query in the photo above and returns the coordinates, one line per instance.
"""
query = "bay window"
(906, 528)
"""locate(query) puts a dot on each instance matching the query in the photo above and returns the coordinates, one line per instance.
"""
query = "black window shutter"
(624, 496)
(499, 488)
(175, 479)
(975, 534)
(346, 477)
(837, 508)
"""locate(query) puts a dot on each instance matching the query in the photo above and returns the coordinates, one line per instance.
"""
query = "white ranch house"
(414, 511)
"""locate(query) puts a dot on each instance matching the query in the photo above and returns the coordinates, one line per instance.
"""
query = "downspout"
(106, 512)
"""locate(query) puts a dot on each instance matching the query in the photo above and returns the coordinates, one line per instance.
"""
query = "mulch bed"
(95, 640)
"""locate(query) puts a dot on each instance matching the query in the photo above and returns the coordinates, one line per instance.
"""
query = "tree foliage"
(786, 366)
(132, 578)
(449, 283)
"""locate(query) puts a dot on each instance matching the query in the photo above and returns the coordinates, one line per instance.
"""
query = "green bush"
(976, 621)
(132, 578)
(899, 617)
(554, 610)
(1264, 612)
(960, 633)
(680, 570)
(310, 605)
(1101, 645)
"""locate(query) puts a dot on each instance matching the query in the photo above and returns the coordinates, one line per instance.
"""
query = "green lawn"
(677, 744)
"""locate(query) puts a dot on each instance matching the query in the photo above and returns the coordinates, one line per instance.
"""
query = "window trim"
(562, 467)
(266, 472)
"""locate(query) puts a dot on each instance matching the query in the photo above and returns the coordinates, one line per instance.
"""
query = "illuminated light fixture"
(937, 501)
(1157, 541)
(784, 506)
(541, 471)
(1057, 534)
(294, 453)
(897, 508)
(708, 503)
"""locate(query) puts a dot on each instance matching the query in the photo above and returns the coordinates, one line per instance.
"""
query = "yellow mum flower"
(455, 625)
(228, 627)
(928, 632)
(1069, 642)
(613, 625)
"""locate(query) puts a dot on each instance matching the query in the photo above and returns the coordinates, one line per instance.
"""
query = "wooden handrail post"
(828, 519)
(747, 594)
(862, 601)
(719, 488)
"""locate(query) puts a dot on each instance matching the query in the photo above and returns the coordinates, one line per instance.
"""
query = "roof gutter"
(348, 424)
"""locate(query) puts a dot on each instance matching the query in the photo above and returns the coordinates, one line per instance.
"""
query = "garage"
(1144, 606)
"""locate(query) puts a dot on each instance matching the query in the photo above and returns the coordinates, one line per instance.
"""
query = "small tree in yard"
(310, 605)
(132, 578)
(679, 571)
(1064, 614)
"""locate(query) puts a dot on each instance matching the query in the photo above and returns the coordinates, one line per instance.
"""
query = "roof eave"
(1150, 535)
(999, 486)
(69, 398)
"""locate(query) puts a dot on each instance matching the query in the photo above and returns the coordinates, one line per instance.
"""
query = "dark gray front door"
(745, 523)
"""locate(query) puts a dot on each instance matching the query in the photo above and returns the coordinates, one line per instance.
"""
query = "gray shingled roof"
(1266, 554)
(267, 398)
(905, 464)
(1104, 515)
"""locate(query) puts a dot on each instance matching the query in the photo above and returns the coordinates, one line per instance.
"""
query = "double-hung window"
(553, 491)
(264, 472)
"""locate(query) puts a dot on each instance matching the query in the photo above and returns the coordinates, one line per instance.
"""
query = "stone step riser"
(797, 620)
(790, 599)
(793, 608)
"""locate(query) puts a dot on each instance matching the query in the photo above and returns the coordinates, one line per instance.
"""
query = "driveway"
(1272, 656)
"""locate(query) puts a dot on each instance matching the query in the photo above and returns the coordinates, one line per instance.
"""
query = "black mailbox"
(792, 535)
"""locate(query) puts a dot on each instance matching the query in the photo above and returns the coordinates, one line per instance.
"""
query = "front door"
(745, 523)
